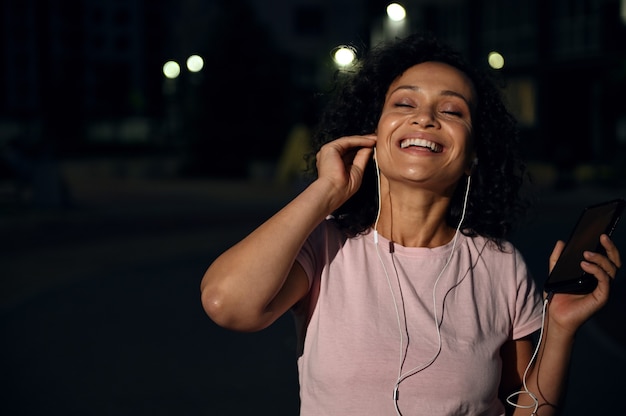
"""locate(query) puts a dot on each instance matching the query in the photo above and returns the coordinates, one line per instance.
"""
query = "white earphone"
(402, 376)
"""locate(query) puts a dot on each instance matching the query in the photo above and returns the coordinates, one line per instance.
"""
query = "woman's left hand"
(570, 311)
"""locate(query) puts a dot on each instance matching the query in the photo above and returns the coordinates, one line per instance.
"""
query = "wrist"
(556, 332)
(327, 194)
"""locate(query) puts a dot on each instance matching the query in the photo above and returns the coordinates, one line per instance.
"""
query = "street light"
(496, 60)
(395, 24)
(171, 69)
(344, 56)
(195, 63)
(396, 12)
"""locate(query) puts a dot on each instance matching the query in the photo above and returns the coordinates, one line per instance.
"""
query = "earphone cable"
(403, 351)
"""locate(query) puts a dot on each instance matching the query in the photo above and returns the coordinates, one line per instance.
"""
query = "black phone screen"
(567, 275)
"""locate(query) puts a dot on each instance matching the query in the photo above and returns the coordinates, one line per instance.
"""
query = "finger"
(610, 262)
(556, 253)
(603, 262)
(604, 278)
(363, 156)
(347, 143)
(345, 148)
(611, 250)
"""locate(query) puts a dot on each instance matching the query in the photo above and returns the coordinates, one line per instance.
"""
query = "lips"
(426, 144)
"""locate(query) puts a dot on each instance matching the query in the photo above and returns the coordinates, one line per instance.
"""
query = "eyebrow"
(448, 93)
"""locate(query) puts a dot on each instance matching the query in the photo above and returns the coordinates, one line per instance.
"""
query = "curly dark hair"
(354, 107)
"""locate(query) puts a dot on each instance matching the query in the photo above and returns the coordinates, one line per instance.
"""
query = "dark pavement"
(100, 311)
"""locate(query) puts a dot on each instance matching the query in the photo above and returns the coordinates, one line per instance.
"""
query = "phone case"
(595, 220)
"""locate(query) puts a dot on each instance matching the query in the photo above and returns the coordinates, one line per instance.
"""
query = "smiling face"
(425, 128)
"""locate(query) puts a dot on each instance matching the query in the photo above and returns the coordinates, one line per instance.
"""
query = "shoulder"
(328, 231)
(324, 238)
(502, 254)
(489, 245)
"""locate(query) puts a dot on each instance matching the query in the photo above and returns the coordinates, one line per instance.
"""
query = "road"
(100, 311)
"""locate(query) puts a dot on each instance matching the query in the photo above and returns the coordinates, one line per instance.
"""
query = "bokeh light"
(344, 55)
(195, 63)
(396, 12)
(496, 60)
(171, 69)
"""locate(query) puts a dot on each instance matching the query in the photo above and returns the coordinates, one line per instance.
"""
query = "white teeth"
(433, 147)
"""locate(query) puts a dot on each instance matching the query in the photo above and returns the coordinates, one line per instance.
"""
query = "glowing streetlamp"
(395, 24)
(496, 60)
(344, 56)
(396, 12)
(195, 63)
(171, 69)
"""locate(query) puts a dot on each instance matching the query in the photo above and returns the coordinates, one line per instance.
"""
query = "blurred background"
(139, 139)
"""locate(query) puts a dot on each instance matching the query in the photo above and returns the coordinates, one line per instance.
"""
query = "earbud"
(375, 158)
(378, 191)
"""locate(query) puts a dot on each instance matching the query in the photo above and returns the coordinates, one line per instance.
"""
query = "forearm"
(240, 284)
(547, 378)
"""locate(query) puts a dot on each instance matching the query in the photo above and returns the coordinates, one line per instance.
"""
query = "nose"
(424, 117)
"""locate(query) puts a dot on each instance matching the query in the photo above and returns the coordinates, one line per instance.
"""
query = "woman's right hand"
(342, 162)
(257, 280)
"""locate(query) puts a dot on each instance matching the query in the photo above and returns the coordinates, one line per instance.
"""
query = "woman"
(394, 260)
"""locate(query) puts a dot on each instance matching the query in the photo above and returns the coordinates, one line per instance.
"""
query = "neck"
(416, 235)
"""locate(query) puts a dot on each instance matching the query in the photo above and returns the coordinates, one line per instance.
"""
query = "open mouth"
(426, 144)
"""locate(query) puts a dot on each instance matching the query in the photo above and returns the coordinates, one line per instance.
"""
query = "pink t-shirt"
(358, 338)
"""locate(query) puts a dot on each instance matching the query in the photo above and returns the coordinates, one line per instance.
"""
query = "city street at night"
(101, 312)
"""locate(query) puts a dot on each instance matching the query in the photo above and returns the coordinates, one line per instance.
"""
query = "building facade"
(87, 73)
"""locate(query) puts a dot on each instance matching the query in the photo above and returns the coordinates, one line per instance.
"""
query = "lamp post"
(179, 95)
(393, 24)
(343, 56)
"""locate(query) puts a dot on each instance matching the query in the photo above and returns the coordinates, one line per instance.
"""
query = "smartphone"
(567, 276)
